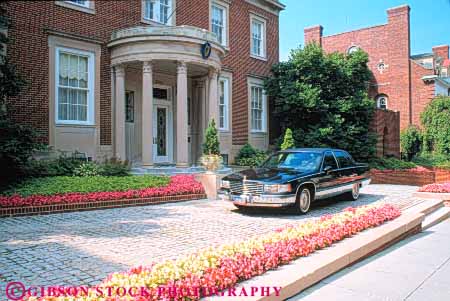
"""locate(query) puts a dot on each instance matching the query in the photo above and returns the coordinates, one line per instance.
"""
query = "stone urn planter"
(211, 162)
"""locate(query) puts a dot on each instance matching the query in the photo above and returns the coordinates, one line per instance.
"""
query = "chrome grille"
(246, 187)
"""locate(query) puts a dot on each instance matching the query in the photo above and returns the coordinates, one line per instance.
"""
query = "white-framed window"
(74, 86)
(352, 49)
(158, 10)
(224, 104)
(382, 102)
(258, 37)
(257, 108)
(219, 23)
(82, 3)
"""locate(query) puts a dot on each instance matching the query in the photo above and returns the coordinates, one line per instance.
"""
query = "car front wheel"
(303, 200)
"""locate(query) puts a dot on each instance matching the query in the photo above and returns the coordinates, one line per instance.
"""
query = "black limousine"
(296, 177)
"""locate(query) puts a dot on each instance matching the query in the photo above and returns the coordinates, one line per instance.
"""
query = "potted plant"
(211, 158)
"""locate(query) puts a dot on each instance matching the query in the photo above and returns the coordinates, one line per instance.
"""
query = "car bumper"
(264, 200)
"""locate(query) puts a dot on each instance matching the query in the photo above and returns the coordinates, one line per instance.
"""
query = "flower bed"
(178, 185)
(436, 188)
(221, 267)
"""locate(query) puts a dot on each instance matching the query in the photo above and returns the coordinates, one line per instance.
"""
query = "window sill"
(74, 124)
(88, 10)
(154, 23)
(258, 132)
(261, 58)
(224, 131)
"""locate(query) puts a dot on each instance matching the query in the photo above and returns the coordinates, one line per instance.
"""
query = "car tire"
(353, 195)
(303, 200)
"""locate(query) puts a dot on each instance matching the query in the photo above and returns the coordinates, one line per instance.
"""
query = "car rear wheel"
(354, 194)
(303, 200)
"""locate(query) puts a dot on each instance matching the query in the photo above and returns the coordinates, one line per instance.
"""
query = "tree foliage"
(288, 141)
(436, 122)
(323, 98)
(410, 142)
(211, 145)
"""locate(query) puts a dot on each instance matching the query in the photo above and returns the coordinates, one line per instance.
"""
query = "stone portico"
(164, 93)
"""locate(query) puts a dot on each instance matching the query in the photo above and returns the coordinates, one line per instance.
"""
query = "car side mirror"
(327, 169)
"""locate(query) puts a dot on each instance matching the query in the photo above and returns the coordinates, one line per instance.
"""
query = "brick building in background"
(140, 80)
(402, 85)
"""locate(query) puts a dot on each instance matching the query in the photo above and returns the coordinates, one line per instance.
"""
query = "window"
(219, 23)
(223, 104)
(129, 106)
(344, 159)
(157, 10)
(352, 49)
(258, 118)
(329, 160)
(301, 161)
(83, 3)
(74, 86)
(382, 102)
(258, 37)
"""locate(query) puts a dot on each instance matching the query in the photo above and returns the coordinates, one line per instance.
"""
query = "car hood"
(270, 175)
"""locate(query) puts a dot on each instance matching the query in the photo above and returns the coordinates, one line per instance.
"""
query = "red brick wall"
(29, 51)
(422, 92)
(386, 124)
(389, 43)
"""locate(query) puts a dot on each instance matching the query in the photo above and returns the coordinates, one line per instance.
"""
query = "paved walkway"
(82, 248)
(414, 269)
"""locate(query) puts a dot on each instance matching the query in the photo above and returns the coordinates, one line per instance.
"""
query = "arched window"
(382, 101)
(352, 49)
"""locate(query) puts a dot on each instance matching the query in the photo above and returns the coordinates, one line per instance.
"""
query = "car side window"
(329, 160)
(344, 159)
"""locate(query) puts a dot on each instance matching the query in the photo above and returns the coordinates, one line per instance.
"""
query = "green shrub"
(390, 163)
(410, 142)
(249, 156)
(288, 141)
(64, 184)
(88, 169)
(62, 166)
(115, 167)
(211, 145)
(436, 122)
(432, 160)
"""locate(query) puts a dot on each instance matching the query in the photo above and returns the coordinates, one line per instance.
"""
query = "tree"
(288, 141)
(410, 142)
(323, 99)
(436, 122)
(17, 142)
(211, 145)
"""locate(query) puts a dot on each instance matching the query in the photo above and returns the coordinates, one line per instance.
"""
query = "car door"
(347, 172)
(329, 177)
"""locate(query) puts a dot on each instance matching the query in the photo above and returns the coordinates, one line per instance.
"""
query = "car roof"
(314, 150)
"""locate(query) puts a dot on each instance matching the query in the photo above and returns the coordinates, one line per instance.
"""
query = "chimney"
(441, 51)
(313, 34)
(399, 13)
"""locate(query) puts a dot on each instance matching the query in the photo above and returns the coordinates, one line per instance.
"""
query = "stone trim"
(62, 208)
(89, 10)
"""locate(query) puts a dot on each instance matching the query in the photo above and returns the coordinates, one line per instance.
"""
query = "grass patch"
(65, 184)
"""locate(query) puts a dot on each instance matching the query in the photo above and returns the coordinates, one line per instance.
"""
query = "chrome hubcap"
(304, 200)
(355, 191)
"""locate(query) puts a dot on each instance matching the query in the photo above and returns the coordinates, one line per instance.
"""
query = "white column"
(213, 103)
(182, 126)
(147, 114)
(120, 113)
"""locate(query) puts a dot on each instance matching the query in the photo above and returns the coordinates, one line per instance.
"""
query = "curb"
(432, 195)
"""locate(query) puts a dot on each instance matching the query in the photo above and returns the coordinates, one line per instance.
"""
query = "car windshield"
(302, 161)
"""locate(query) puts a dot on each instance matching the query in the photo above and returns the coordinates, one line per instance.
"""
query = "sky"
(429, 20)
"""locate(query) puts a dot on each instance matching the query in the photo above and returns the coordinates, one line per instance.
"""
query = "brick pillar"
(313, 34)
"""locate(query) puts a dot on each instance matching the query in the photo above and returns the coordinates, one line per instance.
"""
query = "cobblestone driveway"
(82, 248)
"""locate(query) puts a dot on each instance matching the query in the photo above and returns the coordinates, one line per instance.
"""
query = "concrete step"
(436, 217)
(426, 207)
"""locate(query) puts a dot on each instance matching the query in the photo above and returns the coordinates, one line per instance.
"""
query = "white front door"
(161, 134)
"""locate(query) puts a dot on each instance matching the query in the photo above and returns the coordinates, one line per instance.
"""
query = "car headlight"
(225, 184)
(277, 188)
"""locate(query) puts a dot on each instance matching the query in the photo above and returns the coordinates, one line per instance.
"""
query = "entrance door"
(160, 134)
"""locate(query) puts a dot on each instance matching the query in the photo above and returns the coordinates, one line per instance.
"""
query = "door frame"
(168, 104)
